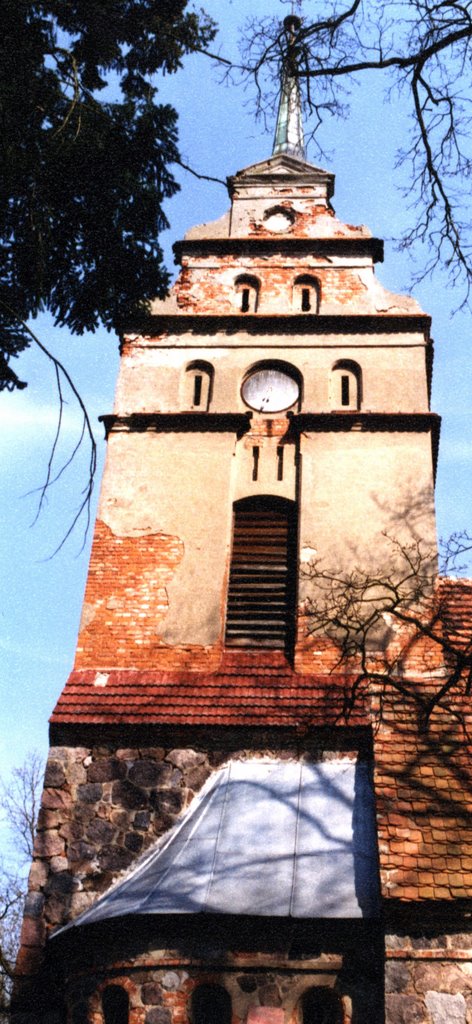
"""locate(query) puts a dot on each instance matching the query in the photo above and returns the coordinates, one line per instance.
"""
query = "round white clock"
(269, 390)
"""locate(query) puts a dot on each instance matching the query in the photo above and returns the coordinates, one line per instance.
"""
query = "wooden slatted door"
(260, 610)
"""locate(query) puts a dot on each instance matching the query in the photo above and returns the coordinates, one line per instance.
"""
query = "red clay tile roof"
(423, 786)
(455, 598)
(250, 688)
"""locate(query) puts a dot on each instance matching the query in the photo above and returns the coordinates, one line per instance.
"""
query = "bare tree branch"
(382, 623)
(52, 476)
(422, 48)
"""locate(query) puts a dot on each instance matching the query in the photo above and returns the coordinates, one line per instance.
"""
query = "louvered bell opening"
(262, 575)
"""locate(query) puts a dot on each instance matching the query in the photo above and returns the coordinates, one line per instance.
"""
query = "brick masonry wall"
(261, 996)
(126, 603)
(209, 285)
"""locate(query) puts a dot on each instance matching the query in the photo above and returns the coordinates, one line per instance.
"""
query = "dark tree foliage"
(423, 50)
(84, 176)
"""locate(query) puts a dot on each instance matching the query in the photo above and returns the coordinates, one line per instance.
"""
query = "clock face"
(269, 390)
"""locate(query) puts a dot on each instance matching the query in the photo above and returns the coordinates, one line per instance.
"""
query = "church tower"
(226, 834)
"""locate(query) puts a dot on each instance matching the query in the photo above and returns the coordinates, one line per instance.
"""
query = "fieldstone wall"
(101, 808)
(429, 980)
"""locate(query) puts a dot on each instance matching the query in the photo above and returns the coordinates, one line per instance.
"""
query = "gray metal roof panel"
(263, 837)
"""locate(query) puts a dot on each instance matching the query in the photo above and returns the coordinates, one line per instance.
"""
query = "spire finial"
(289, 128)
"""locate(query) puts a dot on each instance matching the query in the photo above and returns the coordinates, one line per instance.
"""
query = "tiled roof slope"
(455, 598)
(249, 689)
(423, 786)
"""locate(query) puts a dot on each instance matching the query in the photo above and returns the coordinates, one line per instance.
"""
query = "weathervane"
(289, 129)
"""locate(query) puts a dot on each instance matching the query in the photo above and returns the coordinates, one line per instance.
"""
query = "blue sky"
(218, 135)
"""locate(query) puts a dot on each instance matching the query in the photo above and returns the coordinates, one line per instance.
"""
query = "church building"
(238, 826)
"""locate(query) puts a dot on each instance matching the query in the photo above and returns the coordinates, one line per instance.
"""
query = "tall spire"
(289, 128)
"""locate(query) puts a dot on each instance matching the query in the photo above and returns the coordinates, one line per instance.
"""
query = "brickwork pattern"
(125, 603)
(210, 285)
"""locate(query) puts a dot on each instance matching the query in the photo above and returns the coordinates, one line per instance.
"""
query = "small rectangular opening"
(197, 389)
(344, 390)
(306, 300)
(280, 462)
(245, 300)
(255, 462)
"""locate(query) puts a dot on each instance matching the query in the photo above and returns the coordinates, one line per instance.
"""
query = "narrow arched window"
(306, 294)
(247, 293)
(210, 1004)
(198, 386)
(262, 582)
(115, 1005)
(346, 385)
(321, 1006)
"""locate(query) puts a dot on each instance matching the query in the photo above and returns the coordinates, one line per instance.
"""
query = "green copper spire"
(289, 129)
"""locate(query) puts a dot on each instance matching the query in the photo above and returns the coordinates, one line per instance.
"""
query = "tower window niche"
(198, 386)
(346, 385)
(210, 1004)
(115, 1005)
(321, 1006)
(306, 294)
(247, 293)
(262, 581)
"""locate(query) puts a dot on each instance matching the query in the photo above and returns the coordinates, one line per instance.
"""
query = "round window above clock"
(279, 219)
(270, 389)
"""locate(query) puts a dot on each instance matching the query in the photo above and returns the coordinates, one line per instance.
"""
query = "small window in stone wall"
(198, 386)
(306, 294)
(321, 1006)
(115, 1005)
(247, 293)
(210, 1004)
(346, 385)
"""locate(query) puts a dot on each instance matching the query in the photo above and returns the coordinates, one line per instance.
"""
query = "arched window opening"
(262, 582)
(198, 386)
(321, 1006)
(247, 293)
(115, 1005)
(210, 1004)
(306, 294)
(346, 385)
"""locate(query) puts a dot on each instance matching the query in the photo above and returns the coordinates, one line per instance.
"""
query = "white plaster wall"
(356, 485)
(393, 370)
(177, 484)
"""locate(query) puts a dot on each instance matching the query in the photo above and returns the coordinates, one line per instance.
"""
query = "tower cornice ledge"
(188, 422)
(373, 247)
(151, 325)
(419, 422)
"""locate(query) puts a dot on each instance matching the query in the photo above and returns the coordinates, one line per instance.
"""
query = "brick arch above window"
(247, 292)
